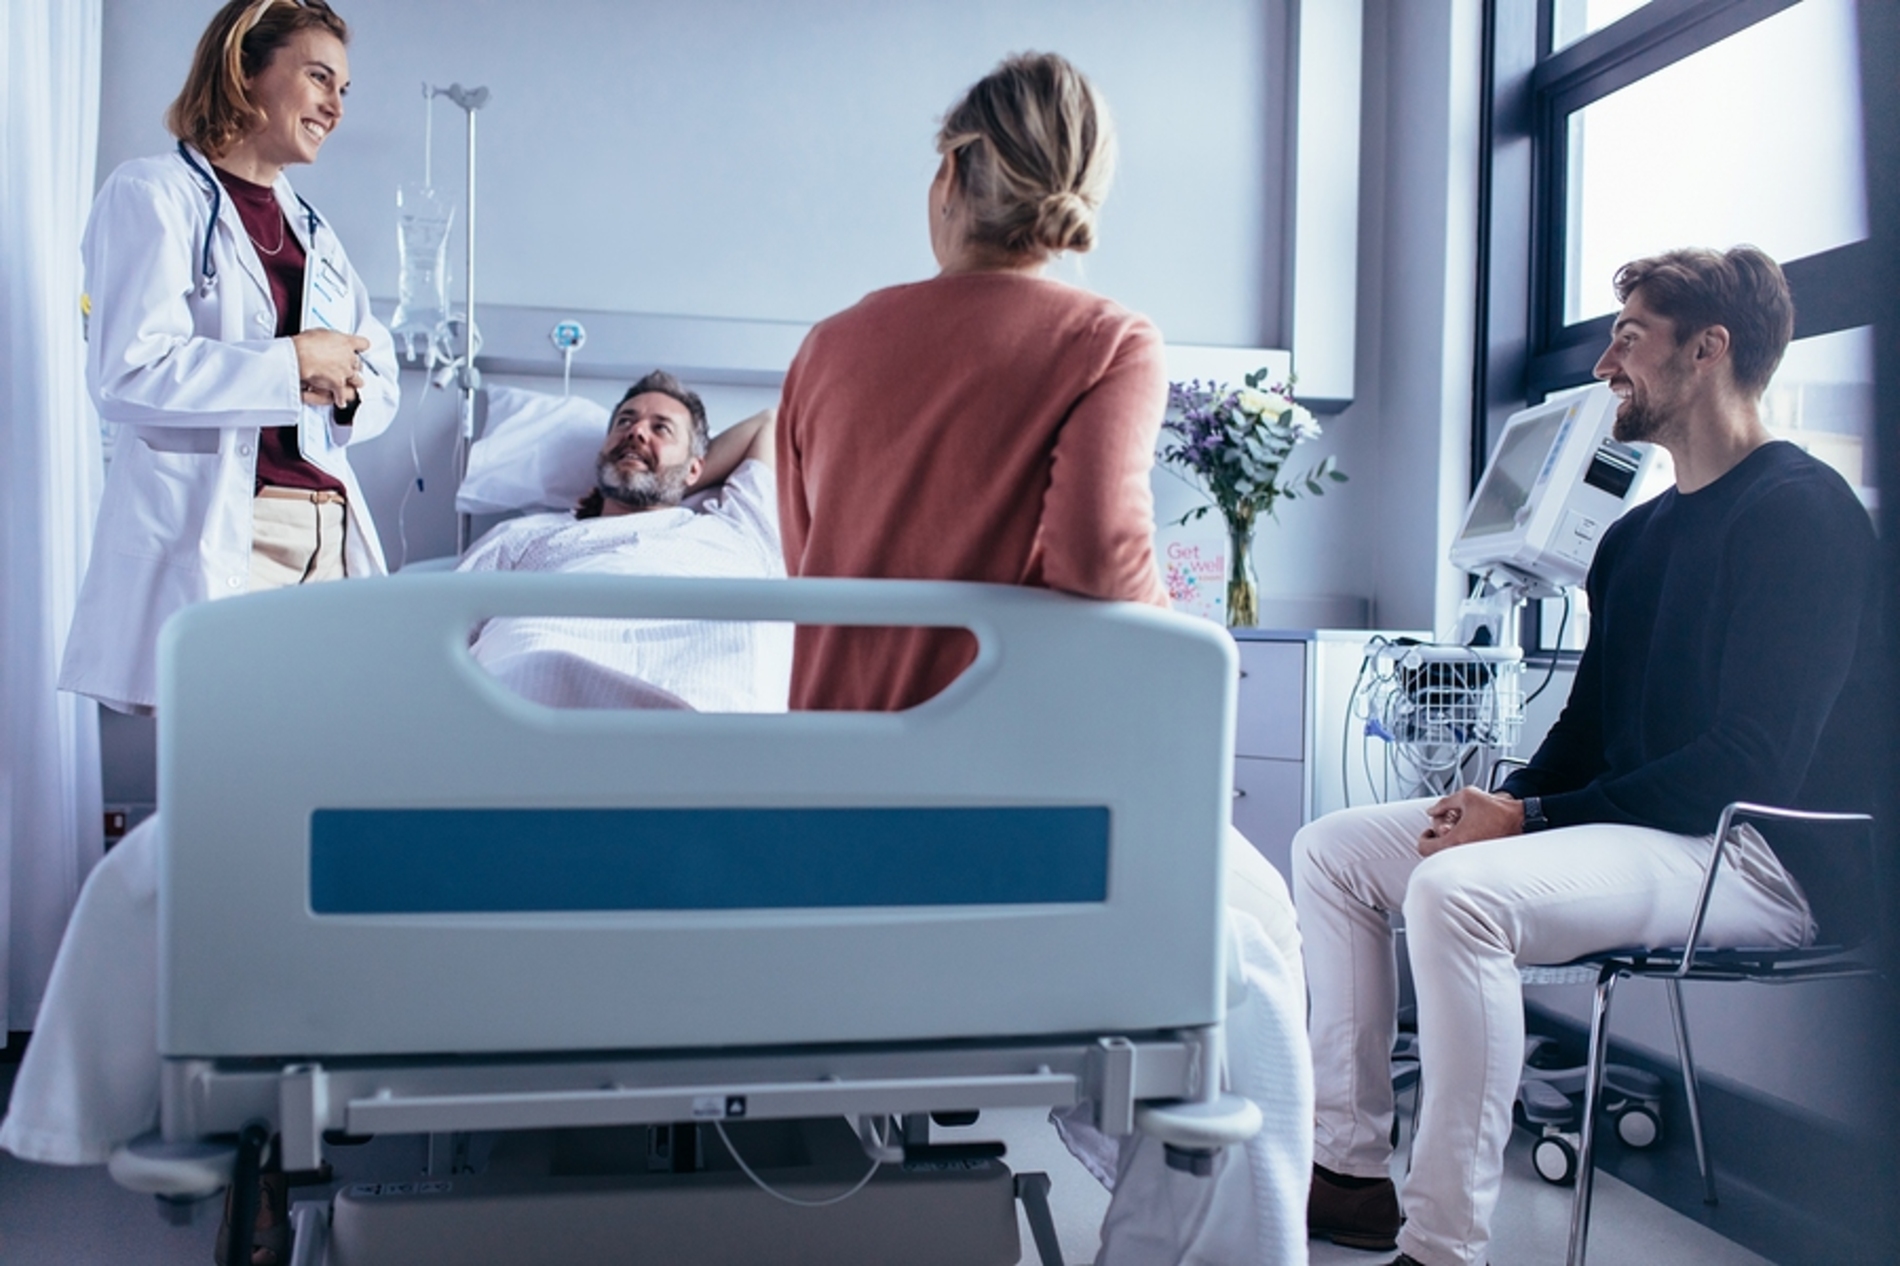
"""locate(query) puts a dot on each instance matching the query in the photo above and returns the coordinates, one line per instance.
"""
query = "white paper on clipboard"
(327, 304)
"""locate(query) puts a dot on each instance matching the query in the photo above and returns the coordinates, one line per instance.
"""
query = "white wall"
(743, 158)
(1418, 244)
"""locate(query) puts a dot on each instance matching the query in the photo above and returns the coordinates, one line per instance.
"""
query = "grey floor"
(71, 1217)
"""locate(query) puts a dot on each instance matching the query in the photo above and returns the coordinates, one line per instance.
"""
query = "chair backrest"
(406, 857)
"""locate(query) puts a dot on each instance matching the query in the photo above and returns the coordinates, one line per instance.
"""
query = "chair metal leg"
(1592, 1093)
(1692, 1087)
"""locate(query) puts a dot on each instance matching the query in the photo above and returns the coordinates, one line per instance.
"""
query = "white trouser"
(1473, 914)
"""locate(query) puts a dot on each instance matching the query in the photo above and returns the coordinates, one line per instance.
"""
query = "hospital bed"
(427, 906)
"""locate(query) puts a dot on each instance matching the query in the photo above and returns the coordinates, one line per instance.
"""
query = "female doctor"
(233, 344)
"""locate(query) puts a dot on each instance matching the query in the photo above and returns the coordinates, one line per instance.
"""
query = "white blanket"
(714, 666)
(89, 1081)
(1253, 1208)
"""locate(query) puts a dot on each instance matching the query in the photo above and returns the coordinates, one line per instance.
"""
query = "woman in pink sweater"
(988, 424)
(991, 424)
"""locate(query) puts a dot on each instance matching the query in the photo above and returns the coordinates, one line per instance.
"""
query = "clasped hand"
(329, 366)
(1467, 816)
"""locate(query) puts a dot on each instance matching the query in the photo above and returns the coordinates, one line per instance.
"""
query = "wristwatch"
(1534, 819)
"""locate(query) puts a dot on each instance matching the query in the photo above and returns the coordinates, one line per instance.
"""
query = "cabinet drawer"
(1269, 806)
(1270, 709)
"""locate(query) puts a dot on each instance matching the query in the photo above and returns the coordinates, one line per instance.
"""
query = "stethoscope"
(207, 266)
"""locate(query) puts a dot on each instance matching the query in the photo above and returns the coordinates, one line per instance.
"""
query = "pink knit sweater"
(980, 426)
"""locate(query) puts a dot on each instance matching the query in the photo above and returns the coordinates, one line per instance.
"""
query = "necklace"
(282, 230)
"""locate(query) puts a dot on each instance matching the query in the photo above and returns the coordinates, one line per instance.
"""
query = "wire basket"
(1442, 713)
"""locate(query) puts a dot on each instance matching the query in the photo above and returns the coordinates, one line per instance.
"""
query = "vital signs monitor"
(1556, 480)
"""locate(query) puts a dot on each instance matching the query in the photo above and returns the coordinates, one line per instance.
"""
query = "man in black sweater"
(1733, 655)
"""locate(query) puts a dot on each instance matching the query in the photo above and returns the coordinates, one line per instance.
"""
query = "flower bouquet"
(1236, 442)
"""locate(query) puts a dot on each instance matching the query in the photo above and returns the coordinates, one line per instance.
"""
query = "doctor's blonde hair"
(1033, 150)
(213, 112)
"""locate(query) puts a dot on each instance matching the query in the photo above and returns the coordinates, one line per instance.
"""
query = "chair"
(1675, 965)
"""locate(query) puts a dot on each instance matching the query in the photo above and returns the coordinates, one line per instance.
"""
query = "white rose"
(1303, 424)
(1261, 404)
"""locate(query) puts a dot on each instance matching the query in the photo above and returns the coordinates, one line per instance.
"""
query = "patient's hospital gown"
(711, 665)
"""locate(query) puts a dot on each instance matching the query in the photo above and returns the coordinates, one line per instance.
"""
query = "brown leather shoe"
(1357, 1217)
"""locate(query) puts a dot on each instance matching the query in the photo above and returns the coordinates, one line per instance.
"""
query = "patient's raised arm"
(747, 440)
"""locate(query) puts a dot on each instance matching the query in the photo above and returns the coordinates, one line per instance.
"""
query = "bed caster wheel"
(1638, 1126)
(1198, 1161)
(1194, 1133)
(1555, 1159)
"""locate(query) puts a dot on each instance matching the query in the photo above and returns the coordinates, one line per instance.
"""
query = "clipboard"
(327, 301)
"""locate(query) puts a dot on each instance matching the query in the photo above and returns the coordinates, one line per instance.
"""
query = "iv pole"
(468, 379)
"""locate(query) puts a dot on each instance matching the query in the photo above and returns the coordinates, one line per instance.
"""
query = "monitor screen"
(1557, 479)
(1502, 500)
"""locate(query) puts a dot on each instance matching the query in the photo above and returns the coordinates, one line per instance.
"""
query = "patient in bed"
(668, 501)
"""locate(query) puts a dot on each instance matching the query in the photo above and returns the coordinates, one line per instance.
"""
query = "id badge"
(326, 297)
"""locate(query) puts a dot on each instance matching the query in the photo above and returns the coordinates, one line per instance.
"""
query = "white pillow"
(536, 452)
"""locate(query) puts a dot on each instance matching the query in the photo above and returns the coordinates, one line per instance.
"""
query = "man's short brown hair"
(213, 111)
(1741, 290)
(667, 385)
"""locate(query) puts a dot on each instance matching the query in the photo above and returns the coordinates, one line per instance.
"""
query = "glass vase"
(1243, 595)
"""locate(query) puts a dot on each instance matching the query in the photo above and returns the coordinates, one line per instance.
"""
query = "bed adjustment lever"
(919, 1150)
(303, 1110)
(1114, 1074)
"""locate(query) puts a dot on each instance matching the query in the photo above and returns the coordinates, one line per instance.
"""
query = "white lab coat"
(191, 370)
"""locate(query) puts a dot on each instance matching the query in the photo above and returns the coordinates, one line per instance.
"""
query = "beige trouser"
(296, 537)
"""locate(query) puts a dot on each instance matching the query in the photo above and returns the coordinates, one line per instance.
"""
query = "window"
(1617, 129)
(1754, 139)
(1822, 398)
(1691, 122)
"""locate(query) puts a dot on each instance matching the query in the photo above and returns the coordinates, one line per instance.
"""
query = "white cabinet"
(1270, 744)
(1296, 740)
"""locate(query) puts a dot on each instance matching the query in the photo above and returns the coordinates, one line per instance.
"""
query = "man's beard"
(640, 489)
(1653, 417)
(1638, 423)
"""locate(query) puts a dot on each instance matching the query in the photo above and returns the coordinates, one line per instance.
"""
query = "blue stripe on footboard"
(455, 861)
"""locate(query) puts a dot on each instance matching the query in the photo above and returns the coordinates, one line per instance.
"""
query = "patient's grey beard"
(641, 489)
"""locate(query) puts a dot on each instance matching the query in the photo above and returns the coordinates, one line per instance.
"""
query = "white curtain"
(50, 816)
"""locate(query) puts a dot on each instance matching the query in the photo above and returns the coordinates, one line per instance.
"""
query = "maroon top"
(279, 463)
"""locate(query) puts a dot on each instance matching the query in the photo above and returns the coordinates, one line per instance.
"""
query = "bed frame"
(412, 902)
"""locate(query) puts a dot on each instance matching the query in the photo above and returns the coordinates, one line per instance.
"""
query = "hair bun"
(1032, 150)
(1064, 222)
